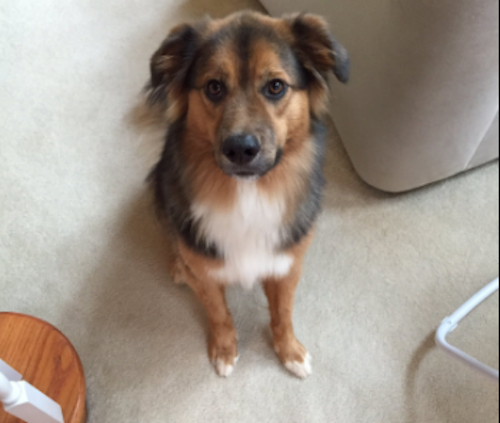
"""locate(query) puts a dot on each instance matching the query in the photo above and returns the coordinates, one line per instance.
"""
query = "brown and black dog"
(240, 179)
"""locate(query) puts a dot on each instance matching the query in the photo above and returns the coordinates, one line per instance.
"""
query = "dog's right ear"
(170, 64)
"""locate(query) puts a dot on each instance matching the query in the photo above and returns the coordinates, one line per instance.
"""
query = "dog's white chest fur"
(248, 235)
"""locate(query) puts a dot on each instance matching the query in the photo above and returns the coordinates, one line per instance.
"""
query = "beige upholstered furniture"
(422, 104)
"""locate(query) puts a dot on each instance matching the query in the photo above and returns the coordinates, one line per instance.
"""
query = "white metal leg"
(450, 324)
(9, 372)
(27, 403)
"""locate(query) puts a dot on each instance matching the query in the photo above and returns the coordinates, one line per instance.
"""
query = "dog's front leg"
(281, 293)
(223, 344)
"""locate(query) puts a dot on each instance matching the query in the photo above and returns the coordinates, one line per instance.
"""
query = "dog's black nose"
(241, 149)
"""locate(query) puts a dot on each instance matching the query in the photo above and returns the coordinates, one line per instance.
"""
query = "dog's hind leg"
(175, 266)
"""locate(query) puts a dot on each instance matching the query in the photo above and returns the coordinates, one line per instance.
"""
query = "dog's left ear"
(317, 48)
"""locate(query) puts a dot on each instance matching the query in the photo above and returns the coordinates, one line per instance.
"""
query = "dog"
(240, 179)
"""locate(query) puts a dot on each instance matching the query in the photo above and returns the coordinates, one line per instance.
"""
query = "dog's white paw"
(223, 369)
(301, 370)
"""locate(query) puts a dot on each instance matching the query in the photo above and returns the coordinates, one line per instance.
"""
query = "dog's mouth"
(254, 170)
(250, 173)
(246, 174)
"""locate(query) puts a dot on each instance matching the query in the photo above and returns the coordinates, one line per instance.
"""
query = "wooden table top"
(47, 360)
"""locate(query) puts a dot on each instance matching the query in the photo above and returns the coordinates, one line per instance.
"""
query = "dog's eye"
(276, 89)
(215, 90)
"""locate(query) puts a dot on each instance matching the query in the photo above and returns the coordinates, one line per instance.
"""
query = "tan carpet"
(79, 247)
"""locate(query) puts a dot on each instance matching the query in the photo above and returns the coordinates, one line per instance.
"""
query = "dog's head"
(248, 84)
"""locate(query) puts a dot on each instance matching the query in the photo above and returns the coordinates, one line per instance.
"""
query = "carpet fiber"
(80, 247)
